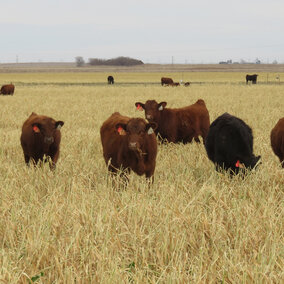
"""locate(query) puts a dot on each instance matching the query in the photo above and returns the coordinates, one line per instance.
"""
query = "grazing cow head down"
(152, 109)
(135, 131)
(45, 127)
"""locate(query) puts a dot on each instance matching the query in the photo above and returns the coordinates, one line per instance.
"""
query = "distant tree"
(119, 61)
(257, 61)
(79, 61)
(275, 62)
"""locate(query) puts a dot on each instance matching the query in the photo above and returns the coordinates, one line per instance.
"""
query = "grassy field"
(192, 226)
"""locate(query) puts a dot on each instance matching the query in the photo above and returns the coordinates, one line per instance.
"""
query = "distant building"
(226, 62)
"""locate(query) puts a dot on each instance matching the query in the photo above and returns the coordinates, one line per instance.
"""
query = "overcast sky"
(154, 31)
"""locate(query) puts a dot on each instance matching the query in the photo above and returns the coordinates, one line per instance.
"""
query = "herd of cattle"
(131, 143)
(169, 81)
(10, 88)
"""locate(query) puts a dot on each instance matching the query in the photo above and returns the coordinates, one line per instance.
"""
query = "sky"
(154, 31)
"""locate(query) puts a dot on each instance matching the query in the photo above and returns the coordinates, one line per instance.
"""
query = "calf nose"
(48, 140)
(133, 145)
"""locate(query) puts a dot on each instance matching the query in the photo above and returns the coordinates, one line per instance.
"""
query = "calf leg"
(27, 159)
(196, 139)
(150, 176)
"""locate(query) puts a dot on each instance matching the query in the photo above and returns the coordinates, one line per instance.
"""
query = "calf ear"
(139, 106)
(151, 127)
(36, 127)
(59, 124)
(121, 128)
(162, 105)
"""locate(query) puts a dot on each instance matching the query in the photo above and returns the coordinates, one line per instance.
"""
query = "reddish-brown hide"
(174, 84)
(7, 89)
(178, 124)
(277, 140)
(41, 136)
(129, 143)
(166, 81)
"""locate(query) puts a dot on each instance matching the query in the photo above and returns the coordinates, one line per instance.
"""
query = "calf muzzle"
(133, 145)
(48, 140)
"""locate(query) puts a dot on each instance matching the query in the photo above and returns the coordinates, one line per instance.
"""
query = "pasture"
(192, 226)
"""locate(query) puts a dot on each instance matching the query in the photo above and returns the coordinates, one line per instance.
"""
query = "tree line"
(119, 61)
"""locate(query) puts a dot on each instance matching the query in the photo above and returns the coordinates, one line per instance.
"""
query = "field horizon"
(171, 68)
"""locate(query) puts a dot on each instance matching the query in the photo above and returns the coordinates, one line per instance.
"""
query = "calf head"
(152, 109)
(252, 162)
(249, 163)
(136, 130)
(45, 127)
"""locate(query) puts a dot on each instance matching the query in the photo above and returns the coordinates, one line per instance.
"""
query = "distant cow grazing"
(175, 84)
(110, 80)
(129, 144)
(178, 124)
(166, 81)
(7, 89)
(186, 84)
(229, 144)
(41, 136)
(277, 140)
(251, 78)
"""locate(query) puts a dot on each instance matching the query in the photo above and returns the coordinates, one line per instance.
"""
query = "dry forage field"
(193, 225)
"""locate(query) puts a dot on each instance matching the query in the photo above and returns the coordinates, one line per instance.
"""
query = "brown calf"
(175, 84)
(178, 124)
(277, 140)
(41, 136)
(129, 144)
(7, 89)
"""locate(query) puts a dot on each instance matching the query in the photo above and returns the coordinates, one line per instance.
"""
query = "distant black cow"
(251, 78)
(229, 144)
(110, 80)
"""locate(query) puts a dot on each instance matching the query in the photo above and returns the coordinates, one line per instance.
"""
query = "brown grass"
(192, 226)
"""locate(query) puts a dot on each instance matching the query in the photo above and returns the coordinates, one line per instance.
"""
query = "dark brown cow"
(7, 89)
(129, 144)
(166, 81)
(186, 84)
(277, 140)
(251, 78)
(41, 136)
(110, 79)
(178, 124)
